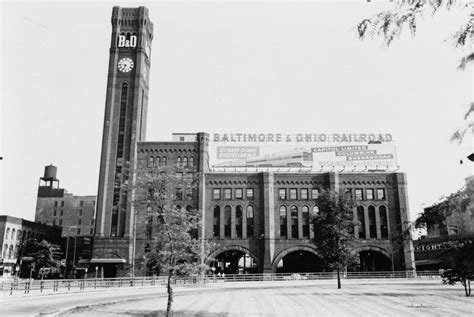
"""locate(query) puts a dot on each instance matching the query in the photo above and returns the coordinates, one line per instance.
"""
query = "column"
(408, 250)
(269, 221)
(288, 223)
(300, 223)
(366, 221)
(334, 181)
(221, 222)
(201, 162)
(244, 222)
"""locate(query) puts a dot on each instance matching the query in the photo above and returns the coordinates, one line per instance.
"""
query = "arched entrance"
(233, 260)
(374, 259)
(298, 260)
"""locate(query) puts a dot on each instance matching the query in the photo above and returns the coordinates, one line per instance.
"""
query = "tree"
(459, 261)
(43, 253)
(457, 256)
(333, 227)
(449, 211)
(174, 251)
(389, 24)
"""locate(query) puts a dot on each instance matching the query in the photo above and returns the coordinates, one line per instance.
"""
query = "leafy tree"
(405, 13)
(459, 259)
(333, 228)
(174, 250)
(457, 256)
(440, 213)
(44, 253)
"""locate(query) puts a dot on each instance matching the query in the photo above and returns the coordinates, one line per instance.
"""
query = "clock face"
(125, 65)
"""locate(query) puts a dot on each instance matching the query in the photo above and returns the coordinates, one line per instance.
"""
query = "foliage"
(44, 254)
(389, 24)
(438, 213)
(459, 259)
(174, 251)
(333, 228)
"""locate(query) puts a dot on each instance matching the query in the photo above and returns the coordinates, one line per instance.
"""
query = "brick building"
(258, 215)
(14, 231)
(54, 206)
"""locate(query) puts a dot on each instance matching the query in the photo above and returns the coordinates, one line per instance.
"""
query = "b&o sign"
(123, 42)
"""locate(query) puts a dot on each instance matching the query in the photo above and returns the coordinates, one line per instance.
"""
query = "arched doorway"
(233, 260)
(372, 260)
(298, 260)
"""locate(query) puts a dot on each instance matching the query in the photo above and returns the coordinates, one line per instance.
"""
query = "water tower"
(49, 177)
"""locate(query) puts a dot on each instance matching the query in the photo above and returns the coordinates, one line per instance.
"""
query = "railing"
(27, 286)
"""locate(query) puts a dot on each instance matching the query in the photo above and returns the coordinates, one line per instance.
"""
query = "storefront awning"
(104, 261)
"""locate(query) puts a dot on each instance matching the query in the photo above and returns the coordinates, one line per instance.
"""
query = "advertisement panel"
(309, 151)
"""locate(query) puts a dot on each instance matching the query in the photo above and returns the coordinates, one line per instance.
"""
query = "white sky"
(228, 67)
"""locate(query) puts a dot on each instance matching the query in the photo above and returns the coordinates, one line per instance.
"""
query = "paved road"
(287, 298)
(33, 305)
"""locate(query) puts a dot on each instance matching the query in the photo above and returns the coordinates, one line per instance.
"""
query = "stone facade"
(383, 202)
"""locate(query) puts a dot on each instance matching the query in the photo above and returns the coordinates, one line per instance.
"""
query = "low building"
(54, 206)
(14, 231)
(458, 227)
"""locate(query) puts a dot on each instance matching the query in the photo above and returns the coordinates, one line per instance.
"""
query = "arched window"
(315, 210)
(13, 234)
(19, 235)
(238, 221)
(217, 221)
(5, 249)
(250, 222)
(185, 161)
(372, 223)
(361, 219)
(294, 221)
(305, 219)
(191, 161)
(151, 161)
(164, 161)
(158, 161)
(283, 228)
(383, 222)
(8, 233)
(179, 161)
(10, 252)
(227, 221)
(189, 208)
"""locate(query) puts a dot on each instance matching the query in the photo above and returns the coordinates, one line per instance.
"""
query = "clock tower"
(124, 126)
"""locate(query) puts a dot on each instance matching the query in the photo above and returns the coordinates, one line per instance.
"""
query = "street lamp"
(67, 248)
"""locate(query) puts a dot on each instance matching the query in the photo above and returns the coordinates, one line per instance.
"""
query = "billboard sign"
(309, 151)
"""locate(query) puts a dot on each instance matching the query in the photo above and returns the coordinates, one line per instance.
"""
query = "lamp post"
(67, 248)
